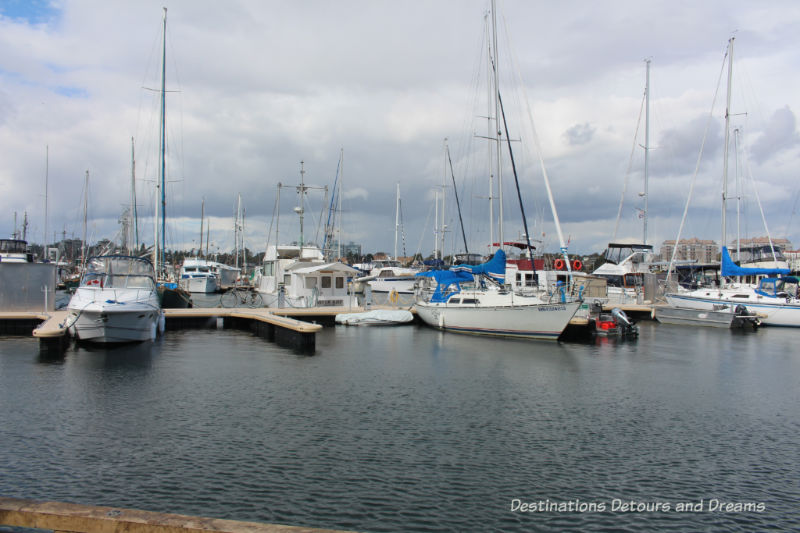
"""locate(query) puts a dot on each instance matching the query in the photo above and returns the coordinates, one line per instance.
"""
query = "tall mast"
(85, 216)
(163, 139)
(339, 196)
(46, 178)
(497, 133)
(134, 215)
(727, 139)
(646, 145)
(444, 195)
(489, 134)
(396, 218)
(302, 192)
(202, 214)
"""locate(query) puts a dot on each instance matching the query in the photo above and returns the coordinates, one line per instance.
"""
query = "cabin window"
(326, 282)
(269, 268)
(386, 274)
(287, 280)
(471, 301)
(339, 282)
(740, 296)
(311, 283)
(455, 300)
(190, 269)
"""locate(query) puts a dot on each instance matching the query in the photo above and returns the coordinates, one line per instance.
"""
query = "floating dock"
(70, 517)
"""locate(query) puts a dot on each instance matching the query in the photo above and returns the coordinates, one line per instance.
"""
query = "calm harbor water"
(409, 429)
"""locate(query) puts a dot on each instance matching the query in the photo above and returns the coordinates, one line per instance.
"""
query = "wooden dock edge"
(75, 518)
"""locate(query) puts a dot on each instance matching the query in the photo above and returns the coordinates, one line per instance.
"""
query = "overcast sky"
(256, 87)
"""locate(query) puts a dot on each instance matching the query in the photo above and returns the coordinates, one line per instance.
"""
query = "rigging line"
(630, 165)
(424, 230)
(516, 182)
(696, 169)
(761, 209)
(269, 233)
(458, 204)
(538, 147)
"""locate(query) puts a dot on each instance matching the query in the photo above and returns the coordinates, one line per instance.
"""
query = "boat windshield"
(617, 253)
(13, 246)
(754, 254)
(119, 272)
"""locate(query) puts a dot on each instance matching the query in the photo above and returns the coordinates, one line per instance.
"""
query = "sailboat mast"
(46, 179)
(339, 199)
(163, 168)
(85, 216)
(134, 214)
(489, 134)
(497, 123)
(646, 146)
(727, 140)
(396, 218)
(202, 214)
(301, 190)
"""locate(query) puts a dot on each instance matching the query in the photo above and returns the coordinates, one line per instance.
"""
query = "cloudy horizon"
(254, 88)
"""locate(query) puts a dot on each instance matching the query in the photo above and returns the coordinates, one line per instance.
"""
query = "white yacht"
(197, 275)
(387, 275)
(294, 276)
(116, 301)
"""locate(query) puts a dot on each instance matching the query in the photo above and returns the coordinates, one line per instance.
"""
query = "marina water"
(410, 429)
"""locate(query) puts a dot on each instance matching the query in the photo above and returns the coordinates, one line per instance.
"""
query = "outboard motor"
(627, 325)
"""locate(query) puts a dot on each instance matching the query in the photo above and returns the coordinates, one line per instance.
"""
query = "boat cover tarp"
(376, 317)
(729, 268)
(495, 268)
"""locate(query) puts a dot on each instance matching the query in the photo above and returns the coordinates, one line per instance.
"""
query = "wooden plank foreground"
(70, 517)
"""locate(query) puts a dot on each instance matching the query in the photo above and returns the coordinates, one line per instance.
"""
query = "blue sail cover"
(495, 268)
(729, 268)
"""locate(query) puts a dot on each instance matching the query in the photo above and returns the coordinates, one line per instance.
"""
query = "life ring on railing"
(577, 265)
(558, 264)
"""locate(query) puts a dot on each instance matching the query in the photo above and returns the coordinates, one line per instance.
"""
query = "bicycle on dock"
(241, 297)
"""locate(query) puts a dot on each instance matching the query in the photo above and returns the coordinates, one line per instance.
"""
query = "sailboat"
(774, 299)
(170, 293)
(475, 298)
(197, 274)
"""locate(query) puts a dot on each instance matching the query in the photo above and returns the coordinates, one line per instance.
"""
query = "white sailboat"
(774, 299)
(485, 305)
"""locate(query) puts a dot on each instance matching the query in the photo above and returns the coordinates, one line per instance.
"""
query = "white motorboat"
(295, 277)
(197, 275)
(116, 301)
(385, 276)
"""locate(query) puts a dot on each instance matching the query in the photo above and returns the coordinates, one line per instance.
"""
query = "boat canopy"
(729, 268)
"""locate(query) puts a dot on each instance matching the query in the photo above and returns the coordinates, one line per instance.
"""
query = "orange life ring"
(577, 265)
(558, 264)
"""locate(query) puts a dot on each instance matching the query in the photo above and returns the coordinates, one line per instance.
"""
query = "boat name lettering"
(552, 308)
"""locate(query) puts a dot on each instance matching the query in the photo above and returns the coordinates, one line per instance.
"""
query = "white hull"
(526, 321)
(771, 311)
(112, 315)
(401, 285)
(200, 284)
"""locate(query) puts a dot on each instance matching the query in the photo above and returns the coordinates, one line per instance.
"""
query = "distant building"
(701, 251)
